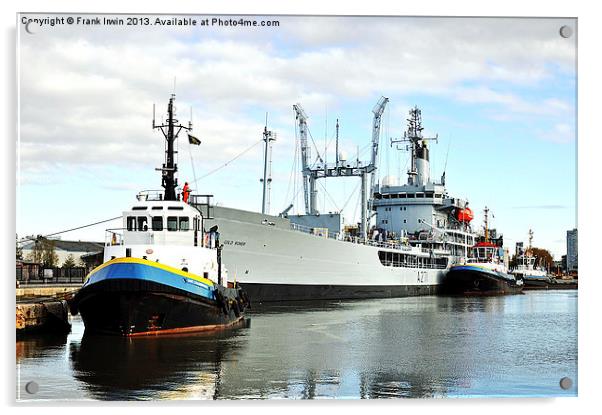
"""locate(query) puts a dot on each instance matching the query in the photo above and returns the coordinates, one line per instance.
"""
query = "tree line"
(44, 252)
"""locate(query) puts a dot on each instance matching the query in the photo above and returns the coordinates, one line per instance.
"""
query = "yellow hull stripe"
(151, 264)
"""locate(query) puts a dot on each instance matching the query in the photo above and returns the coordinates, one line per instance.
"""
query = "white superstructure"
(166, 232)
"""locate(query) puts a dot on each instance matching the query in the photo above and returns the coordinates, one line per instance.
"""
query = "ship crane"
(305, 155)
(339, 169)
(378, 110)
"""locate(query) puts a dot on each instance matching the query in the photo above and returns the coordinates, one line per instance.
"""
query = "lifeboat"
(464, 215)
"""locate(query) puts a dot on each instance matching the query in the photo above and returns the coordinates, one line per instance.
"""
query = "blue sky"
(500, 93)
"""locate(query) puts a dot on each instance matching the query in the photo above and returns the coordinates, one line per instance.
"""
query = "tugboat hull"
(136, 305)
(470, 280)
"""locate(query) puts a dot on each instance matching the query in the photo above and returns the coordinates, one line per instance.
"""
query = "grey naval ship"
(406, 240)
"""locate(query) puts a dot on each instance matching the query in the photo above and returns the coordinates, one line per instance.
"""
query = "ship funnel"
(422, 164)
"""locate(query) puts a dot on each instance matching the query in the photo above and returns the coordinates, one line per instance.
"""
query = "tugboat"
(162, 272)
(484, 273)
(526, 270)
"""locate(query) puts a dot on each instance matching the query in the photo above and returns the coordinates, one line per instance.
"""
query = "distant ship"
(162, 272)
(406, 240)
(484, 273)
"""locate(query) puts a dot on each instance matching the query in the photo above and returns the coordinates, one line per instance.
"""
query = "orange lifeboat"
(464, 215)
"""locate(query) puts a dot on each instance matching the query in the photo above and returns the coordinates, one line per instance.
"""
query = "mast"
(170, 131)
(268, 137)
(486, 210)
(419, 173)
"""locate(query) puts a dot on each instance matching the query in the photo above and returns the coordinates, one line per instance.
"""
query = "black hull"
(260, 293)
(536, 283)
(473, 282)
(136, 308)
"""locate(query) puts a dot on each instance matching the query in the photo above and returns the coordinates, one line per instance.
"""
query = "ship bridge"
(155, 221)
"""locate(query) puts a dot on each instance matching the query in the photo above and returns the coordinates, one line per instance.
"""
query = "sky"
(498, 92)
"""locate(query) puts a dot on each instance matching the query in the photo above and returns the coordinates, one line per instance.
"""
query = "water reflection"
(32, 346)
(163, 367)
(363, 349)
(389, 348)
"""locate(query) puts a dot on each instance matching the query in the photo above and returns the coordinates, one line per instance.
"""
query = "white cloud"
(86, 96)
(560, 133)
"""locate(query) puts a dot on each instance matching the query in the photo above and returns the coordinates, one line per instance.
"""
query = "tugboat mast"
(486, 210)
(170, 131)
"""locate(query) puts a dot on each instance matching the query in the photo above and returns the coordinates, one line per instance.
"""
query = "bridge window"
(157, 223)
(172, 223)
(184, 223)
(157, 207)
(139, 208)
(142, 223)
(131, 223)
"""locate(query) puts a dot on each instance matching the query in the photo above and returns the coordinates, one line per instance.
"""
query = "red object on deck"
(485, 244)
(464, 215)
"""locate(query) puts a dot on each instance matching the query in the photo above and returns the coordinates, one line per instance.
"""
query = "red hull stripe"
(193, 329)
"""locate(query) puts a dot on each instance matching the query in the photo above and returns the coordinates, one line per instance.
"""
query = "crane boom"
(378, 110)
(305, 152)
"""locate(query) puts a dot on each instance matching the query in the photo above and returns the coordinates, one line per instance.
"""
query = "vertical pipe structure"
(337, 144)
(364, 200)
(313, 195)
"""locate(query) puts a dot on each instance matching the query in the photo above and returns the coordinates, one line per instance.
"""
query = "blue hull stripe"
(136, 271)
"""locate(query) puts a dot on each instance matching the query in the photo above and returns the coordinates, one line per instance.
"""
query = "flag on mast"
(193, 140)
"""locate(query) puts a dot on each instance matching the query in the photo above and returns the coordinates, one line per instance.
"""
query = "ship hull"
(134, 299)
(471, 280)
(272, 262)
(300, 292)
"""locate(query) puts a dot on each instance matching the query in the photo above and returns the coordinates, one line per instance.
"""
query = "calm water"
(518, 345)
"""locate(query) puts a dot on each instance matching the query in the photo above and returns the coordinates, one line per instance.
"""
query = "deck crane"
(378, 110)
(340, 169)
(308, 182)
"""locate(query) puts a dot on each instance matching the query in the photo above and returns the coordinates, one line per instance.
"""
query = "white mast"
(268, 137)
